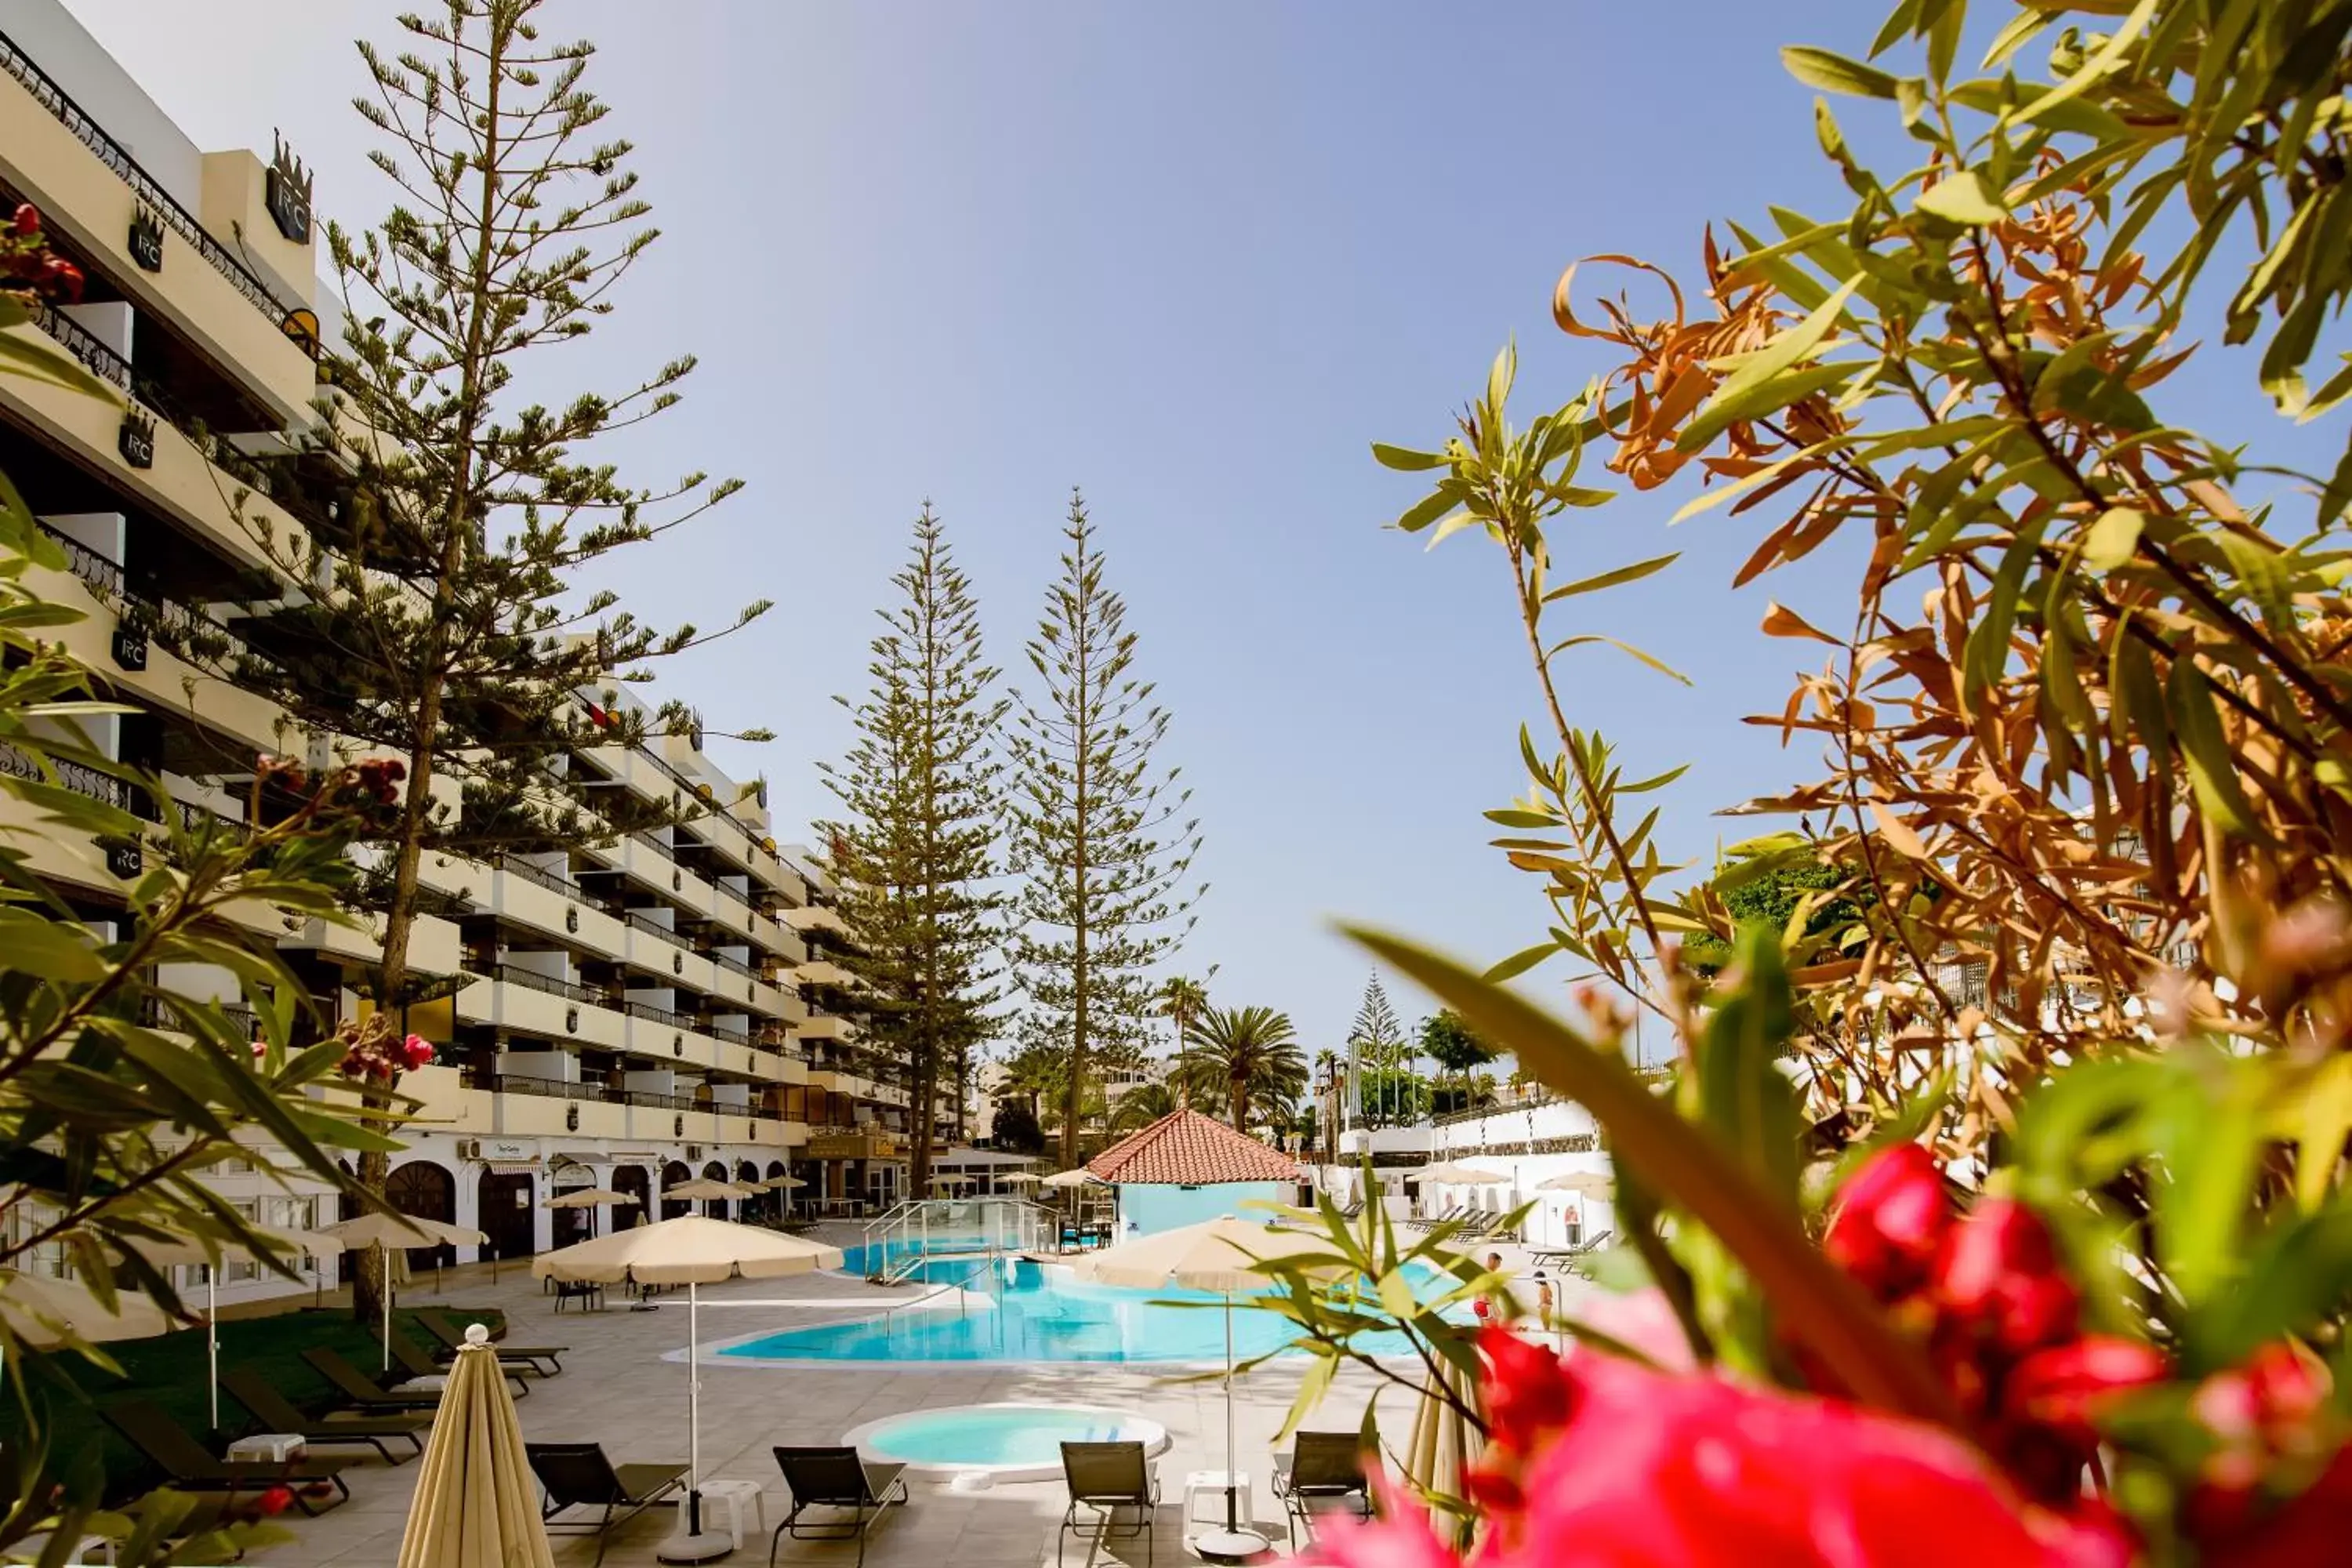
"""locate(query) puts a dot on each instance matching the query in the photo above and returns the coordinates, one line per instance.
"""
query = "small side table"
(734, 1492)
(1208, 1488)
(267, 1447)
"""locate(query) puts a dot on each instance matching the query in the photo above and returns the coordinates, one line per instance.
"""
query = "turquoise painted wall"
(1153, 1207)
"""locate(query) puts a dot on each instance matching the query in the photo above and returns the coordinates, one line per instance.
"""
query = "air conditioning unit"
(469, 1148)
(694, 1151)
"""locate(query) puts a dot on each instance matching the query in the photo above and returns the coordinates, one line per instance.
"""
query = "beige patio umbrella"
(1214, 1255)
(1443, 1443)
(381, 1231)
(1081, 1177)
(1453, 1175)
(703, 1189)
(476, 1504)
(590, 1198)
(691, 1250)
(1585, 1183)
(46, 1314)
(188, 1252)
(780, 1184)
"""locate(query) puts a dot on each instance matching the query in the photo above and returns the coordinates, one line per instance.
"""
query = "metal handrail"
(531, 980)
(98, 358)
(641, 921)
(732, 1036)
(52, 98)
(659, 1016)
(540, 878)
(77, 777)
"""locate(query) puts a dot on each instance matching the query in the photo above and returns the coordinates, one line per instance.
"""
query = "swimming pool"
(1004, 1442)
(1024, 1311)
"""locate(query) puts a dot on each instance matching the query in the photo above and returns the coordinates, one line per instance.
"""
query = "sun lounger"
(1323, 1467)
(835, 1479)
(453, 1339)
(578, 1474)
(415, 1363)
(279, 1414)
(187, 1466)
(1103, 1477)
(354, 1386)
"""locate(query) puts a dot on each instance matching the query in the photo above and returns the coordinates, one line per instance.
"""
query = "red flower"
(1892, 1215)
(417, 1051)
(1400, 1538)
(63, 280)
(1526, 1389)
(26, 223)
(2064, 1389)
(275, 1501)
(1664, 1471)
(1997, 1272)
(2312, 1528)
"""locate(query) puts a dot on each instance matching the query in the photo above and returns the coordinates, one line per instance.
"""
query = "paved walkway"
(618, 1389)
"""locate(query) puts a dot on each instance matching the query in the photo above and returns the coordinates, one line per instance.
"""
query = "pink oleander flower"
(1656, 1469)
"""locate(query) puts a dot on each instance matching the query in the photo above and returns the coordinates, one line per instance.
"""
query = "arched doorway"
(672, 1174)
(714, 1207)
(504, 1203)
(631, 1179)
(430, 1192)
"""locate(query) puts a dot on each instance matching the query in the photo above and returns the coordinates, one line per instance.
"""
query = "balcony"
(181, 482)
(88, 184)
(530, 896)
(526, 1001)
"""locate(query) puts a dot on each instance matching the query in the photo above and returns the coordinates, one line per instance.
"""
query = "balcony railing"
(726, 891)
(96, 357)
(736, 964)
(104, 575)
(646, 923)
(532, 981)
(519, 1083)
(155, 1012)
(728, 1033)
(661, 1016)
(538, 877)
(75, 776)
(177, 218)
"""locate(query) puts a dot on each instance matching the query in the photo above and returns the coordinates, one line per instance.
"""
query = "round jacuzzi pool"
(1000, 1442)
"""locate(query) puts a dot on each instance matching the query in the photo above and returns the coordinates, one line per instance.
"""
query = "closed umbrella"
(1214, 1255)
(1077, 1178)
(691, 1250)
(189, 1254)
(46, 1314)
(1443, 1443)
(380, 1231)
(477, 1503)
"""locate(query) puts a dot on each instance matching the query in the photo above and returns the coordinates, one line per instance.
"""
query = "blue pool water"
(1000, 1434)
(1042, 1315)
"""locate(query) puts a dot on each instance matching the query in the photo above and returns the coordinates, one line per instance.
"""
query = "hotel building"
(637, 1013)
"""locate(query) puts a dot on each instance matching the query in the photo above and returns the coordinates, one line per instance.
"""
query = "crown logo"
(147, 239)
(288, 192)
(136, 441)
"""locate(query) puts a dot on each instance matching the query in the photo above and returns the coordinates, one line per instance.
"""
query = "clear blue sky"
(1193, 259)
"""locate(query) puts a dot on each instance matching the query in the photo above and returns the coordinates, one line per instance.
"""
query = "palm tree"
(1250, 1050)
(1141, 1106)
(1181, 1000)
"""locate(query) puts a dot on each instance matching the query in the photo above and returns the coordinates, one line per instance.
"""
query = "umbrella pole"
(693, 1409)
(1232, 1522)
(384, 1261)
(212, 1343)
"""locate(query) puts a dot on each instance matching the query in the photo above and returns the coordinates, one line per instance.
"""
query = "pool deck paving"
(618, 1389)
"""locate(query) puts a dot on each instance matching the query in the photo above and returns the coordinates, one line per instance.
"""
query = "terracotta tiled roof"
(1188, 1148)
